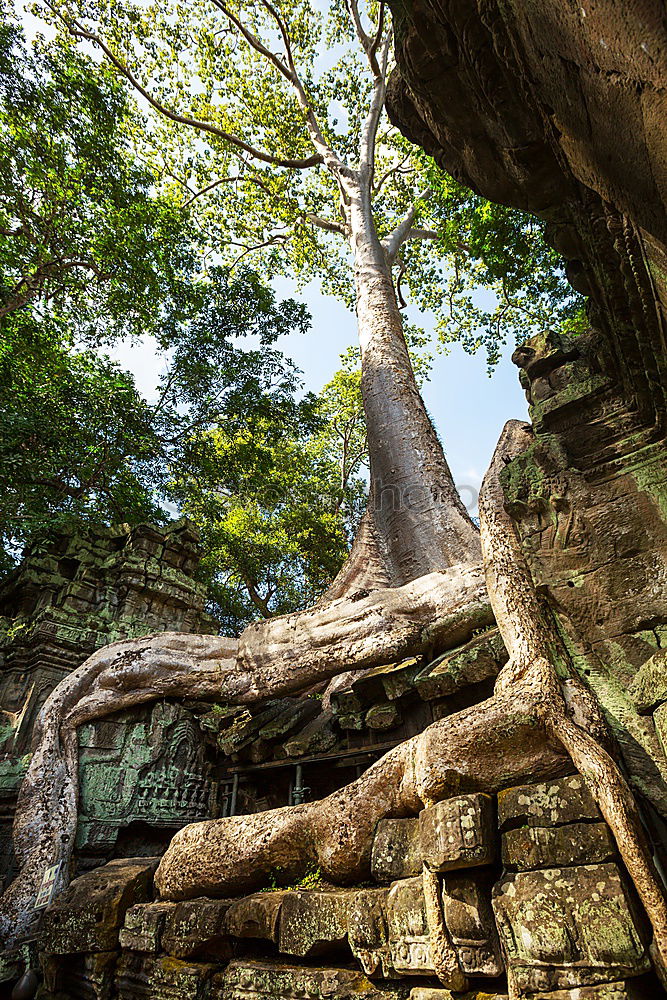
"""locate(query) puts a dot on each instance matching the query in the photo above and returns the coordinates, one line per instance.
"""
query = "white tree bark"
(418, 514)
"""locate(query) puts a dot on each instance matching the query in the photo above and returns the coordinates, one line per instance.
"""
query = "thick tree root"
(493, 745)
(524, 732)
(273, 658)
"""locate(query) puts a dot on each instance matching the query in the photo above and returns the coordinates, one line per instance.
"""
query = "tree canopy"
(116, 222)
(82, 228)
(93, 249)
(250, 106)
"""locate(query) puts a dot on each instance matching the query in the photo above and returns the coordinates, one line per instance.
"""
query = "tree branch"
(210, 187)
(369, 44)
(378, 34)
(327, 224)
(396, 169)
(423, 234)
(369, 131)
(365, 40)
(77, 30)
(34, 283)
(260, 603)
(401, 233)
(289, 72)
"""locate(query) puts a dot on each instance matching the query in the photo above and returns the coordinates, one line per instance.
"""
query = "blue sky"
(467, 407)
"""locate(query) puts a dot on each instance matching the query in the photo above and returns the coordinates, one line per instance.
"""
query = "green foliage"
(311, 879)
(82, 232)
(268, 503)
(483, 246)
(341, 440)
(227, 437)
(482, 270)
(112, 224)
(77, 441)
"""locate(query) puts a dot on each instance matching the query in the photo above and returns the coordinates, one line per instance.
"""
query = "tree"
(78, 442)
(343, 437)
(530, 726)
(92, 249)
(270, 508)
(351, 202)
(415, 527)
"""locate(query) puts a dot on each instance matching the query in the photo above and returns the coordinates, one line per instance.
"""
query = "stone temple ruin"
(145, 770)
(523, 102)
(531, 883)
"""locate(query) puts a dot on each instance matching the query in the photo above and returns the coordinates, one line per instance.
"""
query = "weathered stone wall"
(67, 599)
(531, 891)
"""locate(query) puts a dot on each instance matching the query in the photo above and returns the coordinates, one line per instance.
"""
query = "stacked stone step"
(560, 919)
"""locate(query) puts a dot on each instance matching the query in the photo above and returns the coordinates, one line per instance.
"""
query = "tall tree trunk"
(416, 522)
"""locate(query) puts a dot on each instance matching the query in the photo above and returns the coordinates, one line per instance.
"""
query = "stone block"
(565, 928)
(90, 913)
(648, 687)
(407, 928)
(458, 833)
(427, 993)
(558, 846)
(476, 661)
(468, 917)
(248, 980)
(144, 923)
(255, 916)
(143, 977)
(660, 723)
(317, 737)
(390, 681)
(554, 803)
(367, 932)
(246, 727)
(14, 962)
(196, 928)
(314, 922)
(352, 720)
(297, 712)
(397, 851)
(384, 715)
(466, 906)
(346, 702)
